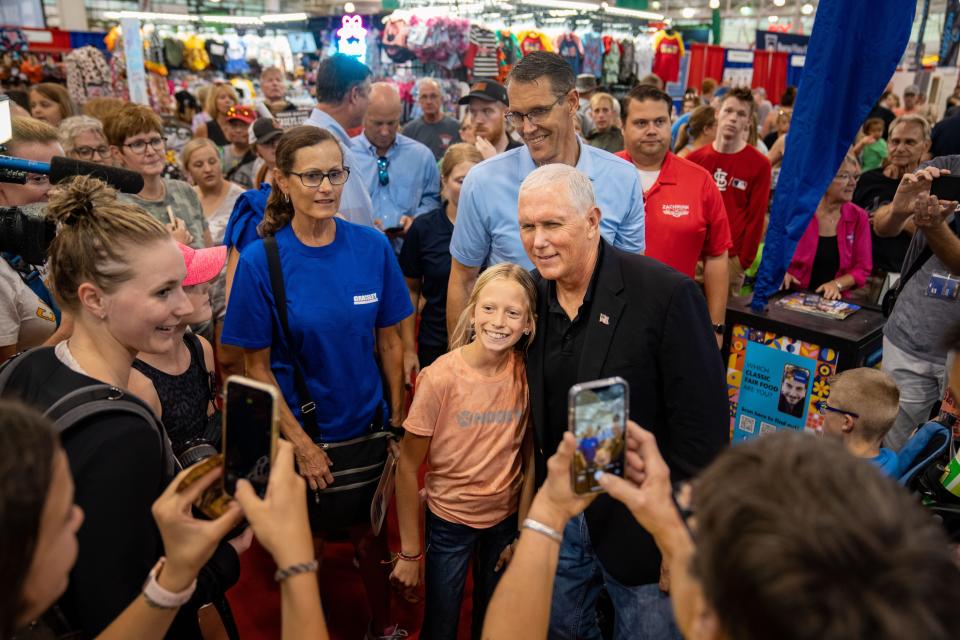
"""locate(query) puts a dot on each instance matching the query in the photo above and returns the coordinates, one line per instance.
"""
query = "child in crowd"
(179, 383)
(469, 418)
(861, 409)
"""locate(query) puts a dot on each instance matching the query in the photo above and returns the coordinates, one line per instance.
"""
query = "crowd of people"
(430, 294)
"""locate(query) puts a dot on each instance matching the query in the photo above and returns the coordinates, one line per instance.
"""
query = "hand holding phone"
(250, 431)
(598, 419)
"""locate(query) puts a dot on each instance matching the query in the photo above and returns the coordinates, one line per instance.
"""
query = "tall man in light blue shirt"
(543, 103)
(401, 173)
(343, 93)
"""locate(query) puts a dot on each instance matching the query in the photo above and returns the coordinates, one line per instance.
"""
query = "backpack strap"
(97, 399)
(11, 365)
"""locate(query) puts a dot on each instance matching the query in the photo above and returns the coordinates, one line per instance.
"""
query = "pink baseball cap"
(203, 265)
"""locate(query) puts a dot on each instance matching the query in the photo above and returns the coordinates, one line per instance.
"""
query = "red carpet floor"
(255, 599)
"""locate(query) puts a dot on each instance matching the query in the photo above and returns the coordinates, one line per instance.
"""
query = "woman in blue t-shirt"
(345, 297)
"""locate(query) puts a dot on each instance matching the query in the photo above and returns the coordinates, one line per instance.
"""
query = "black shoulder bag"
(356, 464)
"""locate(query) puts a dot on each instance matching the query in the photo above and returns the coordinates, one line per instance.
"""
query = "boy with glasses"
(136, 140)
(861, 409)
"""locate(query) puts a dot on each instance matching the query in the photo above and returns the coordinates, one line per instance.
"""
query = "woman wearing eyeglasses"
(344, 299)
(82, 137)
(834, 256)
(136, 141)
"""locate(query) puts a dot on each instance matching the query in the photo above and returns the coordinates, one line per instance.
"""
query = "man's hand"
(930, 212)
(913, 185)
(405, 222)
(486, 149)
(556, 497)
(411, 367)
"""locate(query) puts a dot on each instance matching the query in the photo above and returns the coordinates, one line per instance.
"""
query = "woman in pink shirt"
(833, 257)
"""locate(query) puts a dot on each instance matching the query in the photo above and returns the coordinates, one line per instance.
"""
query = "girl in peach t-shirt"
(469, 419)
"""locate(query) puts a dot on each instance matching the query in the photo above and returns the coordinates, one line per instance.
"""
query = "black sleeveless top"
(826, 262)
(185, 398)
(215, 133)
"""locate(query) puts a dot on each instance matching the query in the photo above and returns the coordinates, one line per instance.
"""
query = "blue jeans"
(641, 613)
(450, 547)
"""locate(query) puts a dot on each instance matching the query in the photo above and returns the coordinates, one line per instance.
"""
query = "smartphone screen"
(946, 188)
(249, 433)
(598, 419)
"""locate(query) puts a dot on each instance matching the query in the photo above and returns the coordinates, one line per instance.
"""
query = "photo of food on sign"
(599, 428)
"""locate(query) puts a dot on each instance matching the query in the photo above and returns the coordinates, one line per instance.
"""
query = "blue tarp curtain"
(854, 49)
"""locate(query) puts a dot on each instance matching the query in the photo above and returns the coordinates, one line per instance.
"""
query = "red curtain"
(770, 72)
(706, 61)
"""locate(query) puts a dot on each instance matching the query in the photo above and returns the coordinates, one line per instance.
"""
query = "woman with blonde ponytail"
(118, 272)
(345, 297)
(470, 419)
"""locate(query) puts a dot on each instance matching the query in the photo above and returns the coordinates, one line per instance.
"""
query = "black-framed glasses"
(823, 408)
(314, 178)
(140, 146)
(534, 116)
(85, 153)
(382, 175)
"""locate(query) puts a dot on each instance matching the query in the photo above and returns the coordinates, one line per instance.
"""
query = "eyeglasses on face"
(382, 176)
(140, 146)
(823, 408)
(37, 179)
(536, 117)
(86, 153)
(314, 178)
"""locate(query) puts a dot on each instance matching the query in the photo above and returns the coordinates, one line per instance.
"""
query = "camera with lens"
(25, 235)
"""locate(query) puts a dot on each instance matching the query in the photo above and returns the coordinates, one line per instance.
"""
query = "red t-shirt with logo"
(685, 216)
(743, 179)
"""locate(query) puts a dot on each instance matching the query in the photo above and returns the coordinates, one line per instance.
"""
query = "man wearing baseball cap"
(238, 156)
(486, 104)
(264, 135)
(910, 101)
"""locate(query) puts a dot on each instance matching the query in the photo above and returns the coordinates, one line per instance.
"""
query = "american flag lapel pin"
(604, 319)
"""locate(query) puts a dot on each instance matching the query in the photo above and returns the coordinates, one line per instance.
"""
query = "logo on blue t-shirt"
(369, 298)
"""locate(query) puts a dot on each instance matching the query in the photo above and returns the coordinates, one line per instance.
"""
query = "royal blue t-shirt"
(337, 296)
(247, 213)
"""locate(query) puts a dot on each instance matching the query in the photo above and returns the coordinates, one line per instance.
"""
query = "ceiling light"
(772, 19)
(246, 20)
(746, 10)
(688, 12)
(655, 5)
(563, 4)
(349, 7)
(806, 9)
(779, 3)
(149, 17)
(714, 4)
(284, 17)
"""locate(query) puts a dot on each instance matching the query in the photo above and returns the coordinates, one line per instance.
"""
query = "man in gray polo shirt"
(914, 353)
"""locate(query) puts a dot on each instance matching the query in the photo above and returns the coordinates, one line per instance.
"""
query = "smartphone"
(250, 427)
(946, 188)
(597, 417)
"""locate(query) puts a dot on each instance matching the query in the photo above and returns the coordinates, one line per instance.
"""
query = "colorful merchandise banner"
(775, 382)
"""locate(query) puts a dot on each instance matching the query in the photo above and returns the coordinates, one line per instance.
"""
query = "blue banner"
(845, 71)
(779, 41)
(774, 392)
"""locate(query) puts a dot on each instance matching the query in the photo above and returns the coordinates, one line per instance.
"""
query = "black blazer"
(660, 339)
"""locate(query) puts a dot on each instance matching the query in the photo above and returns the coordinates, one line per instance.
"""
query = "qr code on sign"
(747, 424)
(767, 428)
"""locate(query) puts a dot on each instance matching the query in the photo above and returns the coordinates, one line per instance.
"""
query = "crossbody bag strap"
(307, 405)
(925, 255)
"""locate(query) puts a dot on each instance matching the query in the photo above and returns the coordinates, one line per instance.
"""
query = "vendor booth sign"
(775, 382)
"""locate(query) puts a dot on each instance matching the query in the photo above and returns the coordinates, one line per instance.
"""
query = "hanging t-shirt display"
(611, 60)
(626, 60)
(534, 41)
(481, 56)
(217, 51)
(571, 49)
(642, 56)
(593, 54)
(668, 50)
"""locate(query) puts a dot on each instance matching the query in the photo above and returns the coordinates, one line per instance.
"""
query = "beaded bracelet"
(402, 556)
(296, 569)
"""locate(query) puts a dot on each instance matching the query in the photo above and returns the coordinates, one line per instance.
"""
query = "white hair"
(73, 126)
(424, 81)
(579, 188)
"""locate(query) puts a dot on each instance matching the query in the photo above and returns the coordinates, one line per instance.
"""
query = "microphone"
(59, 168)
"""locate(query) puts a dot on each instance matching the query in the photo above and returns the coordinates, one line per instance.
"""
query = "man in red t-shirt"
(742, 175)
(686, 220)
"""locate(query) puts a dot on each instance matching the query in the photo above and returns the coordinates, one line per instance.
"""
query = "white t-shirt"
(648, 178)
(25, 320)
